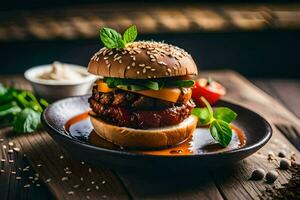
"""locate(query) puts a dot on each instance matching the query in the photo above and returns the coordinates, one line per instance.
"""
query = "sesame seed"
(108, 66)
(27, 186)
(2, 170)
(128, 67)
(37, 185)
(103, 182)
(144, 70)
(133, 64)
(90, 170)
(81, 178)
(11, 144)
(120, 61)
(169, 70)
(104, 52)
(104, 196)
(153, 69)
(3, 160)
(116, 55)
(16, 149)
(18, 178)
(30, 177)
(48, 180)
(87, 197)
(76, 186)
(105, 58)
(106, 62)
(82, 162)
(162, 63)
(10, 161)
(71, 192)
(97, 187)
(13, 172)
(1, 139)
(110, 53)
(142, 65)
(64, 178)
(149, 76)
(88, 189)
(68, 172)
(117, 58)
(152, 60)
(92, 182)
(10, 151)
(61, 157)
(138, 72)
(39, 165)
(4, 146)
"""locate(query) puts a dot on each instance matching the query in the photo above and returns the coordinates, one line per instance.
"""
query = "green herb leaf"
(3, 90)
(152, 85)
(131, 84)
(183, 83)
(121, 42)
(131, 87)
(225, 114)
(110, 38)
(114, 40)
(5, 94)
(221, 132)
(204, 117)
(9, 109)
(26, 121)
(208, 106)
(130, 34)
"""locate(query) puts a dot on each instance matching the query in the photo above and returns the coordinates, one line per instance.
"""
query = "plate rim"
(256, 146)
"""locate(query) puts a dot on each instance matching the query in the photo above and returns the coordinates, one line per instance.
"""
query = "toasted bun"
(148, 138)
(143, 60)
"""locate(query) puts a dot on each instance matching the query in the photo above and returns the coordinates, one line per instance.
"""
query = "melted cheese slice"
(167, 94)
(102, 87)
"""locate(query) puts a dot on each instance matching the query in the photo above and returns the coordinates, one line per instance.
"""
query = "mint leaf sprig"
(218, 121)
(114, 40)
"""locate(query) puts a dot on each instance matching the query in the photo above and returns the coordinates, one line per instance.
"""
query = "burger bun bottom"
(145, 138)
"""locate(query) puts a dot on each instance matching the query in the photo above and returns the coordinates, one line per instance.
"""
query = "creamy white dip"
(61, 72)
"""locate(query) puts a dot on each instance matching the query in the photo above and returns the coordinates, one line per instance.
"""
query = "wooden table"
(45, 171)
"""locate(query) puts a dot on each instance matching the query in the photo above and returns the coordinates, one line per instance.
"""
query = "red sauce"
(200, 142)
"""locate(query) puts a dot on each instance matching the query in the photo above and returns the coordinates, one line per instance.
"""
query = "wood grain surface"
(49, 161)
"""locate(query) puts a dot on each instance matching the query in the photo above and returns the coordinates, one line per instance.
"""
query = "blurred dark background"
(259, 39)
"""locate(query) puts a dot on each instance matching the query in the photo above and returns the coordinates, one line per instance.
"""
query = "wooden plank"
(170, 185)
(233, 181)
(66, 178)
(12, 184)
(285, 90)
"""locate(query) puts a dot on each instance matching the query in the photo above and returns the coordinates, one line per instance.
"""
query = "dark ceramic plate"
(256, 130)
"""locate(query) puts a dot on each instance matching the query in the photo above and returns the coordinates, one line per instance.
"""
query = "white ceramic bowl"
(57, 89)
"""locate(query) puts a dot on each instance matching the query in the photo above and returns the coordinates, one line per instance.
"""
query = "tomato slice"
(212, 91)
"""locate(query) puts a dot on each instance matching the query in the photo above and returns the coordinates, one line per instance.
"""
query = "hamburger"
(142, 98)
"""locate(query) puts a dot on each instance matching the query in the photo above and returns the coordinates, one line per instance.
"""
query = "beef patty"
(123, 108)
(141, 119)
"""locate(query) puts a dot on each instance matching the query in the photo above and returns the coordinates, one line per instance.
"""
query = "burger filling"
(140, 107)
